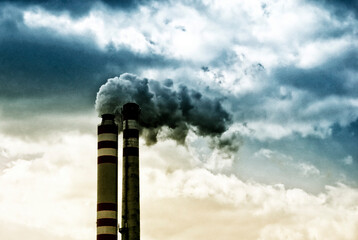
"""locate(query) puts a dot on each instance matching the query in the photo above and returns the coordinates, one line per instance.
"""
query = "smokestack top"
(108, 116)
(130, 111)
(107, 119)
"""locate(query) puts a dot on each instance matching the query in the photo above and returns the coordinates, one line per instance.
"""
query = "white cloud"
(267, 153)
(313, 54)
(264, 130)
(54, 192)
(348, 160)
(207, 201)
(308, 169)
(283, 168)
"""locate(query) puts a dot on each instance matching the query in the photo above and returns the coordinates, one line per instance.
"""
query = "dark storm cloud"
(327, 79)
(75, 8)
(163, 105)
(341, 8)
(37, 63)
(125, 3)
(347, 137)
(320, 81)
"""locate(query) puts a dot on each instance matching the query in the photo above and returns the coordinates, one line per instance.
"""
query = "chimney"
(107, 179)
(130, 196)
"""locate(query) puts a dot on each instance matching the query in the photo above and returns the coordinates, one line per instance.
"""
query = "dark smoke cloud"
(164, 106)
(228, 143)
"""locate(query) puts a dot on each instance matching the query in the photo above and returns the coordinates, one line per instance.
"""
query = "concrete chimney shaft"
(130, 228)
(107, 179)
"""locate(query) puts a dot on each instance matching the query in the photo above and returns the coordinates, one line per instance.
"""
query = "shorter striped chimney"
(107, 179)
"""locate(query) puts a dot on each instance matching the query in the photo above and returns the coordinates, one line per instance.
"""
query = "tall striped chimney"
(107, 179)
(130, 196)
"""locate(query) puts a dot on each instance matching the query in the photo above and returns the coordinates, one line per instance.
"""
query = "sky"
(249, 116)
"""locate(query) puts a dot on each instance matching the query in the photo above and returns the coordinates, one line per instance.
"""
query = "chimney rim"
(130, 110)
(107, 116)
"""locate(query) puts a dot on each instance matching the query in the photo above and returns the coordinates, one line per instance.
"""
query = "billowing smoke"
(164, 106)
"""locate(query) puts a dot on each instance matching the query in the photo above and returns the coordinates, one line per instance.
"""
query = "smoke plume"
(164, 105)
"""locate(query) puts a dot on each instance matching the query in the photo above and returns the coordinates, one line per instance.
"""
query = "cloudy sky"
(251, 128)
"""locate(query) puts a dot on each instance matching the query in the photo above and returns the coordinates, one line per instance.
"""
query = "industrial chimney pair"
(107, 179)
